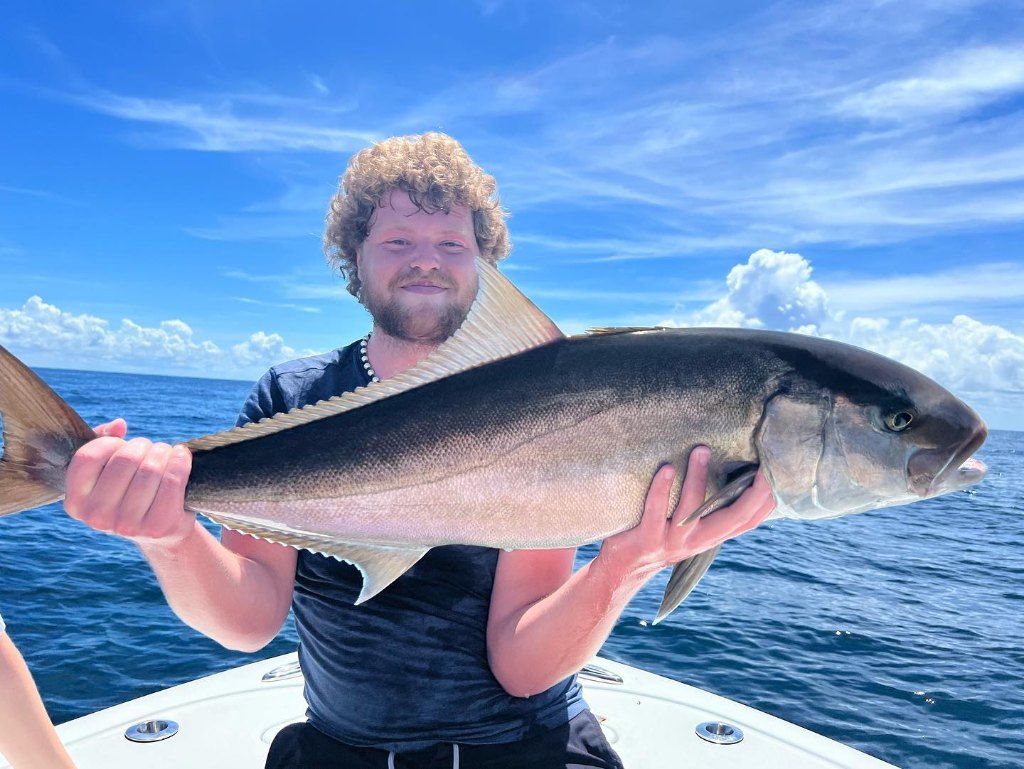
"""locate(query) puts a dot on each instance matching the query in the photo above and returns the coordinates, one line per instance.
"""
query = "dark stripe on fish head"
(849, 430)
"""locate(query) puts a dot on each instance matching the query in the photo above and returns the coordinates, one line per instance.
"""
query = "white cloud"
(56, 337)
(903, 293)
(775, 290)
(238, 123)
(318, 85)
(964, 354)
(282, 305)
(261, 347)
(772, 290)
(751, 137)
(958, 82)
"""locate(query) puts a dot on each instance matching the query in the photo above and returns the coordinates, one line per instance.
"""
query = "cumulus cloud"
(262, 347)
(965, 354)
(775, 290)
(57, 337)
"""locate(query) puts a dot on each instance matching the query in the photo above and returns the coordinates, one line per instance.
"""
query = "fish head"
(854, 431)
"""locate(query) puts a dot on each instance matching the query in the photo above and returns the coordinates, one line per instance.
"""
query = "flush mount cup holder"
(719, 732)
(153, 730)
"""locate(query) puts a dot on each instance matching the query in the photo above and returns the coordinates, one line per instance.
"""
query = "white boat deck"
(229, 719)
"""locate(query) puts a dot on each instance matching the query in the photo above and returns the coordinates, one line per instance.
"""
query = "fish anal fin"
(380, 565)
(685, 576)
(501, 322)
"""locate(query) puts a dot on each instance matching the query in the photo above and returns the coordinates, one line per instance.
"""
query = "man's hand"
(661, 539)
(132, 488)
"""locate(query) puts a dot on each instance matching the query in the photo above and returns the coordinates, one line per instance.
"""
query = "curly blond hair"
(436, 173)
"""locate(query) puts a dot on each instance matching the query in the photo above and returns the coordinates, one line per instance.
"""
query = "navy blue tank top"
(408, 668)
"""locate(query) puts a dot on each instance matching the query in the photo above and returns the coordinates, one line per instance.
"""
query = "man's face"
(418, 270)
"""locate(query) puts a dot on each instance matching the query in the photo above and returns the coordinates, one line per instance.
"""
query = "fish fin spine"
(41, 433)
(613, 330)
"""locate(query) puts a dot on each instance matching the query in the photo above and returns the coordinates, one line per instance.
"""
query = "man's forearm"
(232, 599)
(554, 637)
(27, 738)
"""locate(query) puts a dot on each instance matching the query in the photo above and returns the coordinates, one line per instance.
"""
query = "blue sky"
(850, 169)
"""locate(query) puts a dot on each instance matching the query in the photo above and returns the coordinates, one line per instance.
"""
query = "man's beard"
(410, 325)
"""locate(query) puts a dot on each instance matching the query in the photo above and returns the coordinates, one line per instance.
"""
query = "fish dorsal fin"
(501, 322)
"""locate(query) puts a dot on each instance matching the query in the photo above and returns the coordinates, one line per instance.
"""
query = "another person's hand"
(135, 488)
(661, 539)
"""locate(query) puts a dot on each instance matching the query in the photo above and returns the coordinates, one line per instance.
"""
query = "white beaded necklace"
(366, 360)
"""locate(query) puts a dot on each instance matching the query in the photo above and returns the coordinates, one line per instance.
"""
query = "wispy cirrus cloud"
(801, 126)
(12, 190)
(995, 283)
(952, 84)
(297, 285)
(281, 226)
(232, 122)
(750, 135)
(277, 305)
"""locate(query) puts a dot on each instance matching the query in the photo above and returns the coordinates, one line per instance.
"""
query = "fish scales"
(565, 437)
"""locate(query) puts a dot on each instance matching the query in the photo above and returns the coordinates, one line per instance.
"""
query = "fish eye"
(899, 421)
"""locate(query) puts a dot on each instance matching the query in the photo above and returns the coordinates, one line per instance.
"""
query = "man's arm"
(546, 622)
(236, 591)
(27, 738)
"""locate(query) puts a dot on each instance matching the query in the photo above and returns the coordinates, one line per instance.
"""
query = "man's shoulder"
(302, 381)
(313, 366)
(314, 378)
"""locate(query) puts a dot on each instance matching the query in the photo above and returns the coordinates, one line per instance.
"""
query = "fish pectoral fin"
(380, 565)
(685, 576)
(726, 495)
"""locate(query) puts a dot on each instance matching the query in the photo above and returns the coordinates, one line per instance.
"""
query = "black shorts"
(580, 743)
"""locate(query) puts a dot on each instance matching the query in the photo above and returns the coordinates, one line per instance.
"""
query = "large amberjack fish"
(512, 435)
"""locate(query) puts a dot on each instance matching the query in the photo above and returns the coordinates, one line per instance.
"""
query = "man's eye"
(452, 244)
(398, 242)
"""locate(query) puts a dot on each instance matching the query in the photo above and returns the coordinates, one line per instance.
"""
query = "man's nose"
(426, 257)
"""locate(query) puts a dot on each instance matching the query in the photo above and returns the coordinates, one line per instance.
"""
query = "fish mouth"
(959, 472)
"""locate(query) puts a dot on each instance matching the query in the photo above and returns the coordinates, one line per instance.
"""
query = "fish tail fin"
(41, 433)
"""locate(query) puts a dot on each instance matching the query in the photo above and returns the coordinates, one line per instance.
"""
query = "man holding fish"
(470, 656)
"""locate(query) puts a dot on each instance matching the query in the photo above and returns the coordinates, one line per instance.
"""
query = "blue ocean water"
(899, 632)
